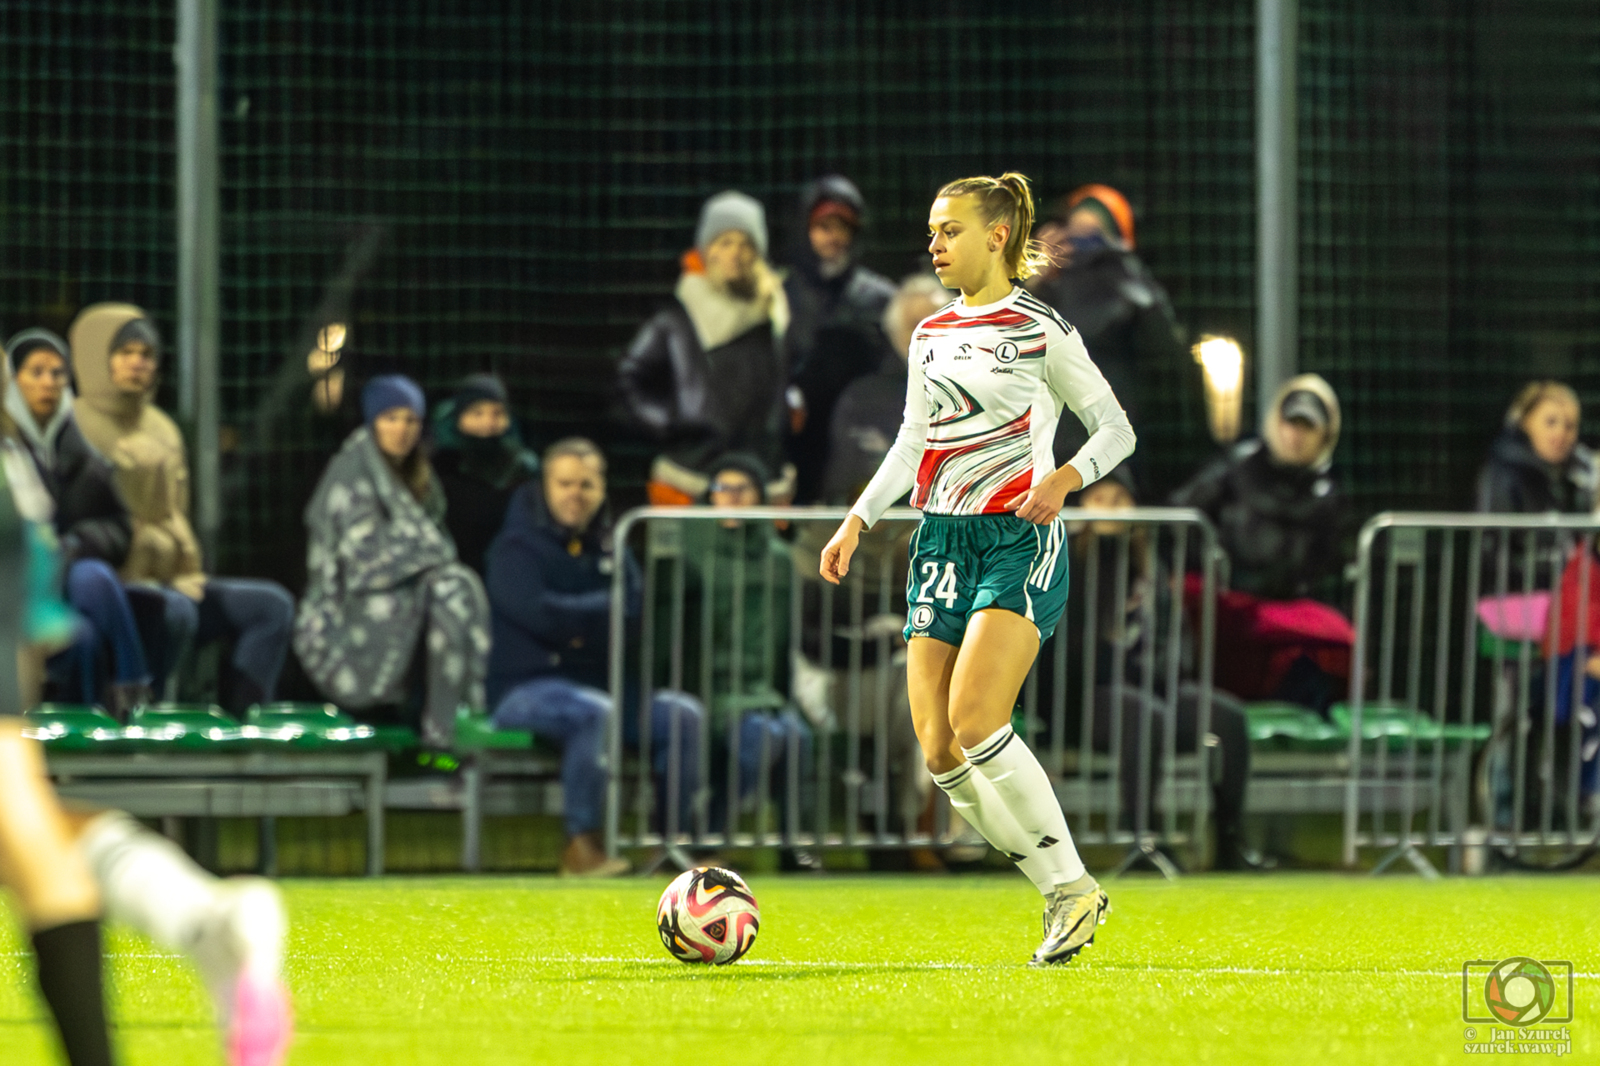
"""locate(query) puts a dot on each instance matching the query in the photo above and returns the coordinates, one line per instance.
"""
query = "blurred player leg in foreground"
(232, 928)
(55, 895)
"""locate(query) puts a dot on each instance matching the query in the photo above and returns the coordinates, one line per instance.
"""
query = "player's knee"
(942, 760)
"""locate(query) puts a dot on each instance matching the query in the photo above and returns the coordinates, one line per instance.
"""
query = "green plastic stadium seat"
(321, 725)
(304, 725)
(476, 732)
(188, 726)
(1398, 725)
(74, 727)
(1493, 647)
(1290, 727)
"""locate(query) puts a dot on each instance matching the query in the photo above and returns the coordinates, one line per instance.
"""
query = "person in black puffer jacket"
(707, 374)
(1276, 505)
(107, 661)
(1535, 466)
(480, 460)
(836, 310)
(1279, 516)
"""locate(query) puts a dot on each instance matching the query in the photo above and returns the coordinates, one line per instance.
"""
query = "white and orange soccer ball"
(708, 914)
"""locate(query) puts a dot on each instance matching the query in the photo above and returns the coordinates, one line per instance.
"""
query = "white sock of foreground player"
(231, 928)
(1005, 760)
(975, 799)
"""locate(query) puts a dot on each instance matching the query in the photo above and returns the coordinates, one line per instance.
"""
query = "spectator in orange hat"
(1102, 288)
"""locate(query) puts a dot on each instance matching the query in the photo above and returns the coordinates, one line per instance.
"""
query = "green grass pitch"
(862, 969)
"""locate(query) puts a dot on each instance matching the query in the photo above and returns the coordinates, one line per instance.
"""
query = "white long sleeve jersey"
(984, 391)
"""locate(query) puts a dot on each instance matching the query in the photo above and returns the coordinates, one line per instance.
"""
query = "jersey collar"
(960, 307)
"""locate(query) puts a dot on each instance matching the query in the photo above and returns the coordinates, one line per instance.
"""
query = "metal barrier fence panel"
(1471, 728)
(797, 730)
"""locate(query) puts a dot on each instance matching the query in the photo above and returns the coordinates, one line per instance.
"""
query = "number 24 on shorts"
(946, 588)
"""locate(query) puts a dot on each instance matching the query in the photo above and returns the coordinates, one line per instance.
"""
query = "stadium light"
(1222, 362)
(327, 377)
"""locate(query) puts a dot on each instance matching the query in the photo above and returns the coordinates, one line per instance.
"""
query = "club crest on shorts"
(1006, 352)
(922, 617)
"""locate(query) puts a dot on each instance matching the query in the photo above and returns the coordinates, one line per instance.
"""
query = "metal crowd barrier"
(1463, 732)
(806, 682)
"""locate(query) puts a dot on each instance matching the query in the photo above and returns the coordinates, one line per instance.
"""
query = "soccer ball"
(708, 914)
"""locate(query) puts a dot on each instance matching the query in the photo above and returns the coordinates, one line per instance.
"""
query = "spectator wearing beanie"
(116, 356)
(91, 525)
(383, 583)
(738, 571)
(707, 374)
(836, 311)
(480, 459)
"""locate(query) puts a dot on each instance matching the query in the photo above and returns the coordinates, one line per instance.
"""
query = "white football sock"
(981, 807)
(1005, 760)
(147, 881)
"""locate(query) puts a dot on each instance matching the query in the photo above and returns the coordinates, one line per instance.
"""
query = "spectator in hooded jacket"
(835, 327)
(707, 374)
(1279, 515)
(91, 525)
(480, 459)
(116, 354)
(384, 588)
(550, 573)
(1099, 285)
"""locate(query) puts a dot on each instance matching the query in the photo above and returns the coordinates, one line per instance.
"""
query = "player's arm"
(895, 476)
(1076, 383)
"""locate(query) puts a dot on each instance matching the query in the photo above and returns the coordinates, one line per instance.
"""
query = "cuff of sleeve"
(866, 519)
(1088, 468)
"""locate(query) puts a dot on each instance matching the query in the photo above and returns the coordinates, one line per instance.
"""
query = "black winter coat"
(1279, 525)
(702, 404)
(91, 518)
(1127, 323)
(1515, 480)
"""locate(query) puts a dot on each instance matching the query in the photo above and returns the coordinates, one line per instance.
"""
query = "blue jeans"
(767, 740)
(575, 716)
(1571, 669)
(107, 633)
(257, 616)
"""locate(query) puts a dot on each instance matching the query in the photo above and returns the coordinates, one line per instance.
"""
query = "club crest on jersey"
(1006, 352)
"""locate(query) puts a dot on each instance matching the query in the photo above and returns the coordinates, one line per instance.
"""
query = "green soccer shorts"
(961, 564)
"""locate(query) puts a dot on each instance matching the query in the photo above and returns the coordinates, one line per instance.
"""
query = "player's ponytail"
(1007, 199)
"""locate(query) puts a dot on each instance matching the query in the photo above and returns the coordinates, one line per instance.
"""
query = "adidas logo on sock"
(1015, 858)
(1048, 842)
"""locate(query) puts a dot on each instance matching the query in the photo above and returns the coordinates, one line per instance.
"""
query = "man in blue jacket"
(549, 580)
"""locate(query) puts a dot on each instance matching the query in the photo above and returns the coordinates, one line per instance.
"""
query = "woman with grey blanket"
(382, 575)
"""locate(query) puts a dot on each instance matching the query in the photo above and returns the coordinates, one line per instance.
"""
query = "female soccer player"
(988, 376)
